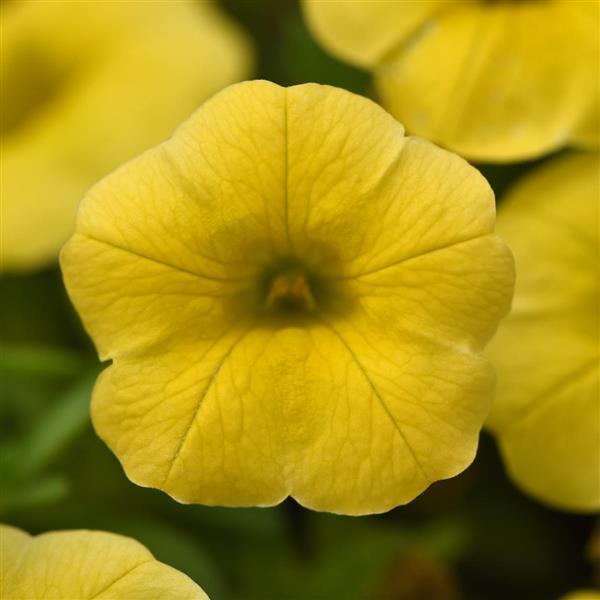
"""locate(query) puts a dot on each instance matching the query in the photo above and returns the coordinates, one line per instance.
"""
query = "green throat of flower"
(287, 288)
(290, 291)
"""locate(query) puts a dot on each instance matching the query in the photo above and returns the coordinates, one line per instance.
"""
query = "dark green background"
(475, 537)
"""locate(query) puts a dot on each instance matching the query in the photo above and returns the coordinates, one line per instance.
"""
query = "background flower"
(294, 297)
(88, 85)
(492, 80)
(85, 564)
(547, 412)
(583, 595)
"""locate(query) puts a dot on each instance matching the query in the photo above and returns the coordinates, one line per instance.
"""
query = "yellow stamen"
(291, 292)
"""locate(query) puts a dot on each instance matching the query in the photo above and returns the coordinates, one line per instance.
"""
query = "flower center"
(290, 292)
(289, 288)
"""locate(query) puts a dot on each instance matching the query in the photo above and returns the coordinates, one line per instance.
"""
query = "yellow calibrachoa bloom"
(294, 297)
(583, 595)
(88, 85)
(80, 564)
(494, 80)
(547, 412)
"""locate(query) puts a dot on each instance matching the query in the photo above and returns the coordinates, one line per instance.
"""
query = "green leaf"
(63, 421)
(38, 360)
(33, 493)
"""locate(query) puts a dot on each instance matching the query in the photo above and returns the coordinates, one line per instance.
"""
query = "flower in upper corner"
(547, 411)
(294, 297)
(88, 85)
(83, 564)
(494, 80)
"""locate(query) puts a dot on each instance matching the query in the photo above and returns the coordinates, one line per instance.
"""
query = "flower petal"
(399, 414)
(194, 217)
(189, 420)
(374, 197)
(454, 295)
(250, 425)
(547, 412)
(497, 81)
(587, 134)
(582, 595)
(13, 543)
(340, 25)
(87, 564)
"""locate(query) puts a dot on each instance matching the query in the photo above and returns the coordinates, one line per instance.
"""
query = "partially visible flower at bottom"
(294, 297)
(583, 595)
(547, 411)
(82, 564)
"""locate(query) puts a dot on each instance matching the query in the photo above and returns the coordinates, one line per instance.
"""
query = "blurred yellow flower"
(494, 80)
(88, 85)
(79, 564)
(547, 412)
(583, 595)
(294, 297)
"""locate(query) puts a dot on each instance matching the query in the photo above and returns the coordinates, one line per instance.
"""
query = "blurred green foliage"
(474, 537)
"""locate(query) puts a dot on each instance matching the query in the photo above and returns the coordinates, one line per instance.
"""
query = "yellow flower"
(547, 412)
(494, 80)
(583, 595)
(88, 85)
(294, 297)
(81, 564)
